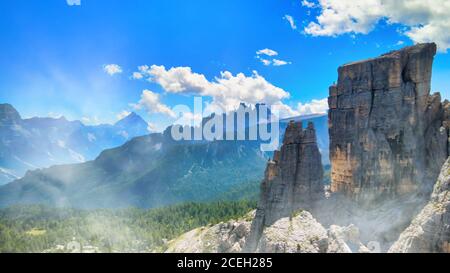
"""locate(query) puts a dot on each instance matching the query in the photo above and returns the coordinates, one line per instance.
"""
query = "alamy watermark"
(250, 123)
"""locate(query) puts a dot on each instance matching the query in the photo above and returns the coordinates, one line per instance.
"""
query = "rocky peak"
(133, 124)
(386, 130)
(293, 179)
(9, 115)
(131, 119)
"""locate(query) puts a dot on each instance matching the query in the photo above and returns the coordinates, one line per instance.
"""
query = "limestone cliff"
(430, 231)
(293, 180)
(388, 135)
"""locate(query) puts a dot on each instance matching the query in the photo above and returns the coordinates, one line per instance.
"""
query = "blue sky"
(55, 56)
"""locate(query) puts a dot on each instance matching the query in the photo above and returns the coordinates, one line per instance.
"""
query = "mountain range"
(28, 144)
(151, 171)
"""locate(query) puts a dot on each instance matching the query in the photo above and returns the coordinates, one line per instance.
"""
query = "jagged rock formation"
(300, 233)
(430, 231)
(293, 180)
(386, 130)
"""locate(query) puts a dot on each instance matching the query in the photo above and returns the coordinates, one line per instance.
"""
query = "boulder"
(298, 234)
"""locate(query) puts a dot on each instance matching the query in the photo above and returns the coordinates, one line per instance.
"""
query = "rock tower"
(388, 135)
(293, 180)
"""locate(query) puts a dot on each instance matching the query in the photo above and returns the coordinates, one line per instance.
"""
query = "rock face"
(298, 234)
(221, 238)
(8, 115)
(429, 232)
(293, 180)
(386, 130)
(345, 240)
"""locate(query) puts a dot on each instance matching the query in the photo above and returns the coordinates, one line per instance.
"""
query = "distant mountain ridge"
(27, 144)
(149, 171)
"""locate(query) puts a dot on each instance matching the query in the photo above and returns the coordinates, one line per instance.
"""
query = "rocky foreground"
(429, 232)
(300, 233)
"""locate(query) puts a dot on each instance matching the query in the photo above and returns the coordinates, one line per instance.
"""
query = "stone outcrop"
(345, 240)
(300, 233)
(388, 135)
(429, 232)
(293, 180)
(226, 237)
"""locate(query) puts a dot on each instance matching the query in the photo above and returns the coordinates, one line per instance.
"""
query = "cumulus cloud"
(313, 107)
(277, 62)
(190, 119)
(112, 69)
(151, 102)
(308, 4)
(263, 54)
(291, 21)
(267, 52)
(140, 74)
(73, 2)
(123, 114)
(422, 20)
(265, 61)
(137, 75)
(227, 91)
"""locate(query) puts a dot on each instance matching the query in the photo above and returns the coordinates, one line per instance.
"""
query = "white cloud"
(291, 21)
(422, 20)
(313, 107)
(91, 120)
(54, 115)
(277, 62)
(143, 68)
(267, 51)
(137, 75)
(73, 2)
(309, 4)
(265, 62)
(112, 69)
(227, 91)
(123, 114)
(190, 119)
(151, 127)
(150, 101)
